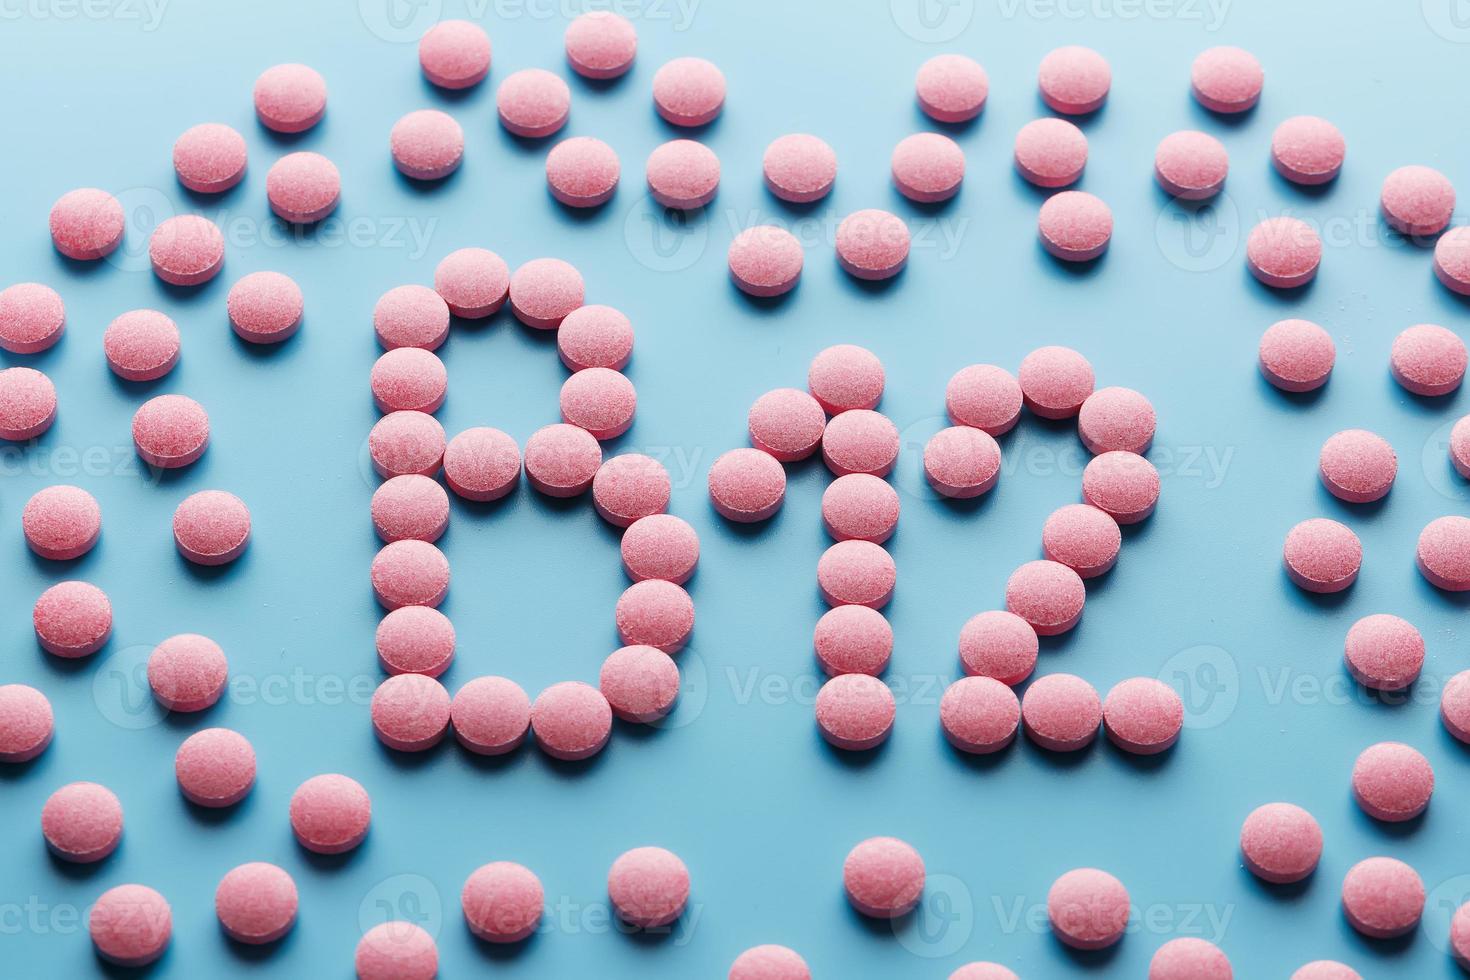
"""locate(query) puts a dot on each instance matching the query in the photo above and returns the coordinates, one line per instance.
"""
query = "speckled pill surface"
(857, 573)
(411, 316)
(746, 485)
(491, 715)
(960, 461)
(1460, 936)
(787, 424)
(600, 400)
(1322, 555)
(1452, 260)
(765, 261)
(141, 345)
(860, 506)
(983, 971)
(855, 711)
(1191, 165)
(303, 187)
(562, 460)
(1055, 381)
(582, 172)
(1384, 652)
(595, 336)
(660, 546)
(484, 464)
(82, 822)
(396, 950)
(1075, 226)
(72, 619)
(648, 887)
(410, 507)
(1190, 958)
(1428, 360)
(188, 672)
(629, 487)
(533, 103)
(290, 98)
(410, 712)
(1050, 152)
(502, 902)
(769, 962)
(641, 683)
(472, 282)
(415, 640)
(1283, 252)
(1061, 712)
(186, 250)
(426, 144)
(455, 54)
(1297, 355)
(408, 379)
(256, 903)
(853, 640)
(1417, 201)
(1280, 843)
(27, 403)
(1082, 537)
(130, 925)
(688, 91)
(1088, 908)
(873, 244)
(87, 224)
(683, 174)
(1048, 595)
(1357, 466)
(984, 396)
(1116, 419)
(1121, 484)
(1143, 715)
(543, 291)
(799, 168)
(979, 715)
(215, 768)
(571, 720)
(927, 167)
(1454, 706)
(265, 307)
(845, 377)
(1392, 782)
(406, 442)
(210, 158)
(1382, 897)
(1443, 553)
(998, 644)
(61, 522)
(861, 441)
(211, 527)
(26, 723)
(952, 88)
(1226, 79)
(1308, 150)
(330, 813)
(601, 44)
(1460, 446)
(32, 318)
(655, 613)
(410, 573)
(883, 877)
(1074, 80)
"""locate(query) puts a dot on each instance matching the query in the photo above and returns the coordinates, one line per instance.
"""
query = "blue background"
(738, 781)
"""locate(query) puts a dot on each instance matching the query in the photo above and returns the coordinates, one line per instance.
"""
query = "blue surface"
(739, 783)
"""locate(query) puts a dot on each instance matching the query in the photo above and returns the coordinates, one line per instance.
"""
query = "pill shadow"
(1141, 763)
(980, 762)
(247, 953)
(1433, 593)
(652, 935)
(872, 287)
(1393, 236)
(1384, 947)
(71, 568)
(1281, 296)
(1288, 893)
(1063, 760)
(575, 768)
(1078, 119)
(954, 130)
(191, 295)
(425, 187)
(875, 926)
(290, 140)
(847, 758)
(1358, 511)
(675, 131)
(78, 871)
(502, 952)
(928, 209)
(116, 972)
(215, 816)
(1299, 398)
(766, 306)
(526, 146)
(1397, 829)
(1076, 270)
(1425, 405)
(455, 96)
(1323, 601)
(213, 573)
(410, 761)
(81, 268)
(582, 216)
(1036, 192)
(1305, 190)
(331, 862)
(1209, 117)
(1090, 959)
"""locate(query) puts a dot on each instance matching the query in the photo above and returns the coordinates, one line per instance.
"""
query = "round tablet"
(72, 619)
(1074, 80)
(1283, 252)
(984, 396)
(927, 167)
(410, 712)
(130, 925)
(1046, 594)
(265, 307)
(952, 88)
(1075, 226)
(979, 715)
(640, 683)
(655, 613)
(61, 522)
(1116, 419)
(872, 244)
(1382, 897)
(861, 441)
(861, 507)
(595, 336)
(1281, 843)
(455, 54)
(1454, 706)
(858, 573)
(688, 91)
(787, 424)
(1308, 150)
(543, 291)
(1384, 652)
(1417, 201)
(188, 672)
(210, 158)
(415, 640)
(1322, 555)
(562, 460)
(410, 507)
(215, 767)
(1191, 165)
(170, 431)
(1443, 554)
(629, 487)
(303, 187)
(1189, 958)
(1050, 152)
(290, 98)
(1460, 446)
(660, 546)
(746, 485)
(330, 813)
(1143, 715)
(998, 644)
(409, 379)
(502, 902)
(1226, 79)
(799, 168)
(601, 44)
(491, 715)
(256, 903)
(600, 400)
(983, 971)
(426, 144)
(1122, 485)
(855, 711)
(82, 822)
(1326, 970)
(1357, 466)
(142, 345)
(410, 573)
(186, 250)
(26, 723)
(211, 527)
(411, 316)
(959, 461)
(1392, 782)
(765, 261)
(1297, 355)
(86, 224)
(1428, 360)
(406, 442)
(27, 404)
(485, 464)
(883, 877)
(1452, 260)
(853, 640)
(845, 377)
(32, 318)
(1460, 935)
(396, 950)
(1083, 538)
(1061, 712)
(769, 963)
(571, 720)
(1088, 908)
(582, 172)
(683, 174)
(472, 282)
(1055, 381)
(533, 103)
(648, 886)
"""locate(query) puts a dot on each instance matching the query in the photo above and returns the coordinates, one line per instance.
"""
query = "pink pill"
(855, 711)
(883, 877)
(562, 460)
(688, 91)
(1046, 594)
(26, 723)
(853, 640)
(409, 379)
(533, 103)
(27, 404)
(1308, 150)
(410, 573)
(142, 345)
(1075, 226)
(861, 441)
(872, 244)
(491, 715)
(1074, 80)
(82, 822)
(861, 507)
(1417, 201)
(1452, 260)
(1050, 152)
(72, 619)
(582, 172)
(396, 950)
(1443, 554)
(660, 546)
(787, 424)
(210, 158)
(769, 963)
(983, 971)
(303, 187)
(998, 644)
(765, 261)
(188, 672)
(1382, 897)
(1083, 538)
(1283, 252)
(746, 485)
(410, 507)
(1226, 79)
(543, 291)
(426, 144)
(1123, 485)
(683, 174)
(571, 720)
(415, 640)
(212, 527)
(952, 88)
(928, 167)
(799, 168)
(485, 464)
(1297, 355)
(1392, 782)
(629, 487)
(601, 44)
(86, 224)
(600, 400)
(502, 902)
(595, 336)
(1143, 715)
(648, 887)
(1191, 165)
(130, 925)
(406, 442)
(1384, 652)
(1190, 959)
(330, 813)
(1061, 712)
(640, 683)
(1322, 555)
(1460, 936)
(472, 282)
(1280, 843)
(265, 307)
(61, 522)
(1116, 419)
(845, 377)
(1428, 360)
(186, 250)
(256, 903)
(984, 396)
(32, 318)
(215, 767)
(960, 461)
(290, 98)
(979, 715)
(655, 613)
(1088, 908)
(410, 712)
(455, 54)
(858, 573)
(411, 316)
(1357, 466)
(1460, 446)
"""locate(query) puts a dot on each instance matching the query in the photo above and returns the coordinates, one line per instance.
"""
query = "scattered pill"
(502, 902)
(1046, 594)
(862, 441)
(883, 877)
(600, 400)
(769, 963)
(1382, 897)
(1191, 165)
(396, 950)
(927, 167)
(1122, 485)
(27, 403)
(1384, 652)
(683, 174)
(533, 103)
(1460, 936)
(688, 91)
(765, 261)
(1074, 80)
(984, 396)
(170, 431)
(256, 903)
(629, 487)
(1283, 252)
(415, 640)
(211, 527)
(215, 767)
(491, 715)
(82, 822)
(582, 172)
(410, 573)
(1323, 555)
(61, 522)
(787, 424)
(1189, 958)
(1428, 360)
(1454, 706)
(872, 244)
(1088, 908)
(595, 336)
(303, 187)
(660, 546)
(799, 168)
(853, 640)
(1116, 419)
(1143, 715)
(648, 886)
(210, 158)
(746, 485)
(130, 925)
(72, 619)
(1452, 260)
(655, 613)
(998, 644)
(979, 715)
(857, 573)
(141, 345)
(601, 44)
(959, 461)
(1417, 201)
(87, 224)
(845, 377)
(265, 307)
(1061, 712)
(543, 291)
(409, 379)
(1050, 152)
(855, 711)
(952, 88)
(427, 144)
(1460, 446)
(411, 316)
(1226, 79)
(484, 464)
(32, 318)
(562, 460)
(571, 720)
(410, 712)
(1297, 355)
(1281, 843)
(1326, 970)
(861, 507)
(983, 971)
(1083, 538)
(186, 250)
(1357, 466)
(1443, 554)
(455, 54)
(1075, 226)
(330, 813)
(1308, 150)
(406, 442)
(1392, 782)
(410, 507)
(188, 672)
(640, 683)
(290, 98)
(473, 282)
(26, 723)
